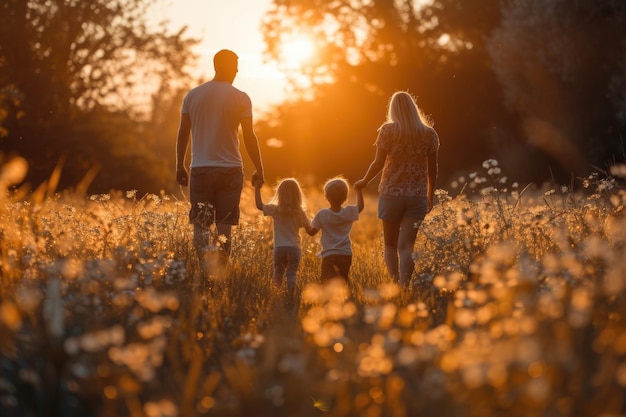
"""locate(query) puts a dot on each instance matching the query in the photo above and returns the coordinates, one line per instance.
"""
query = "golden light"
(296, 50)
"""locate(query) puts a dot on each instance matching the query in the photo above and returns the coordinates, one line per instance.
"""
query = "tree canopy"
(452, 55)
(73, 77)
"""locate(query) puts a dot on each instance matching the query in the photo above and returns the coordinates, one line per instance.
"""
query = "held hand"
(359, 185)
(256, 183)
(182, 177)
(257, 180)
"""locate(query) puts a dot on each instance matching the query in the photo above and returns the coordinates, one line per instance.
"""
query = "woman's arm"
(377, 164)
(433, 172)
(359, 199)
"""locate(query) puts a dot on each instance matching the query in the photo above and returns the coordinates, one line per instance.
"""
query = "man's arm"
(251, 142)
(182, 142)
(257, 196)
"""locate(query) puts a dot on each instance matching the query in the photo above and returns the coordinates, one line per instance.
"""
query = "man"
(212, 113)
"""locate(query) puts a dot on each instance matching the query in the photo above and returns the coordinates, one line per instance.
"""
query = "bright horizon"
(231, 25)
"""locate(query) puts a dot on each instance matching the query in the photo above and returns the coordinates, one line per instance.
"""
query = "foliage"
(561, 68)
(367, 51)
(70, 70)
(516, 308)
(447, 53)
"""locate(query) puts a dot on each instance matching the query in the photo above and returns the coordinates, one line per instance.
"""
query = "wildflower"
(487, 190)
(490, 163)
(606, 184)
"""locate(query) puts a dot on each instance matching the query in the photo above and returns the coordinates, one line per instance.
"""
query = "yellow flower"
(319, 404)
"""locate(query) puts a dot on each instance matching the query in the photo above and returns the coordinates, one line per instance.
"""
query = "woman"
(407, 153)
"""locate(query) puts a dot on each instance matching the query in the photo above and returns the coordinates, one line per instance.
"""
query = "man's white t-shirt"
(286, 228)
(335, 227)
(216, 109)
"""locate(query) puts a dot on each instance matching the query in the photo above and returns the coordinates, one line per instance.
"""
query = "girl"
(407, 152)
(287, 208)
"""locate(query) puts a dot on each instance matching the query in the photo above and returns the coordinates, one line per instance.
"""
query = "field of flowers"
(517, 308)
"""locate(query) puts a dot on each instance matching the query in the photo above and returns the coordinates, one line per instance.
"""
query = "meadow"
(516, 308)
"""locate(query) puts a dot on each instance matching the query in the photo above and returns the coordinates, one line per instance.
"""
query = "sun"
(296, 50)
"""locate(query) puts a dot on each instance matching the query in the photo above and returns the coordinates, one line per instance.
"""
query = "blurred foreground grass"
(516, 308)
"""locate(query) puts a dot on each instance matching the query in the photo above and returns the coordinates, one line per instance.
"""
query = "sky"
(229, 24)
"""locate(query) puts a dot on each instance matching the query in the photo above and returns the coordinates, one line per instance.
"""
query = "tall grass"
(516, 308)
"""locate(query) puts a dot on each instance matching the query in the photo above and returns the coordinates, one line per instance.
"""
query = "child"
(335, 223)
(287, 209)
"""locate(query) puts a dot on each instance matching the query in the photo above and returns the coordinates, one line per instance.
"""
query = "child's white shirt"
(286, 228)
(335, 227)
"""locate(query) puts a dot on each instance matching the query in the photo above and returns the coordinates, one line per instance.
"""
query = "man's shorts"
(215, 193)
(394, 208)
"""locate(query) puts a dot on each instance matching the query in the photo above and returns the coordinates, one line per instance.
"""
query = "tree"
(368, 50)
(561, 65)
(72, 69)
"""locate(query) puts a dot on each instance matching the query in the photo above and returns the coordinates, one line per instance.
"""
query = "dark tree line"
(71, 76)
(538, 85)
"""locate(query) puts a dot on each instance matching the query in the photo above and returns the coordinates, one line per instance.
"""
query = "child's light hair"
(336, 190)
(289, 196)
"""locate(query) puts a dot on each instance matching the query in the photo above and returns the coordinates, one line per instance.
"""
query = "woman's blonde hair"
(408, 119)
(289, 196)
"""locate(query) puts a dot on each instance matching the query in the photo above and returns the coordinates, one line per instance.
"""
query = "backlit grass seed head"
(95, 341)
(160, 408)
(12, 172)
(28, 298)
(10, 316)
(140, 358)
(618, 170)
(155, 301)
(154, 327)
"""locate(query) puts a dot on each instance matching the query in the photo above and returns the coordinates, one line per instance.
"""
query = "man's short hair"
(225, 60)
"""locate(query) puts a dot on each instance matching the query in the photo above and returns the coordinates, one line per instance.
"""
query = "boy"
(335, 223)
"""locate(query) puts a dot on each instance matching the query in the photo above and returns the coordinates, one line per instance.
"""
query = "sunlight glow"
(296, 50)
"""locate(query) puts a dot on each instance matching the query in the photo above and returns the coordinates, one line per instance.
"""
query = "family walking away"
(407, 149)
(212, 113)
